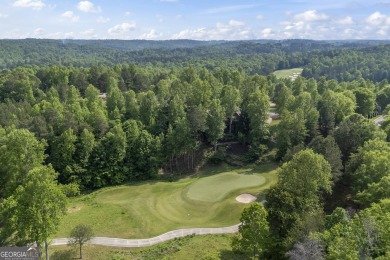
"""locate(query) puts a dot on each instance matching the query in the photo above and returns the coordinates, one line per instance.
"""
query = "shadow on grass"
(231, 255)
(259, 169)
(64, 255)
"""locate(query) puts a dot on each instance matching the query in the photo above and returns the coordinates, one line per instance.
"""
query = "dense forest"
(341, 60)
(76, 117)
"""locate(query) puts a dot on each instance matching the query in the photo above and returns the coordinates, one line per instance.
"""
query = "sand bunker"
(245, 198)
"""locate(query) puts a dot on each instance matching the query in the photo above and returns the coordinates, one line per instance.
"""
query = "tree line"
(341, 60)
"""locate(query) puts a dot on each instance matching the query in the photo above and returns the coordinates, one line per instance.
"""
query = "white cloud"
(102, 19)
(377, 19)
(60, 35)
(121, 28)
(310, 16)
(179, 16)
(260, 17)
(324, 28)
(90, 33)
(288, 35)
(299, 26)
(38, 32)
(151, 35)
(191, 34)
(378, 25)
(3, 15)
(233, 30)
(69, 15)
(127, 13)
(345, 21)
(309, 24)
(234, 23)
(383, 31)
(34, 4)
(88, 7)
(349, 31)
(267, 33)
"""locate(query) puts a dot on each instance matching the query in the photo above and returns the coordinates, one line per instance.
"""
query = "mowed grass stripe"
(152, 208)
(215, 188)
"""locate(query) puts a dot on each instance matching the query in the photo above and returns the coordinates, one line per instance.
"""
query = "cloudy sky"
(195, 19)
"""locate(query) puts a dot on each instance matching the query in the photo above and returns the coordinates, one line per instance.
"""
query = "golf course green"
(152, 208)
(215, 188)
(288, 72)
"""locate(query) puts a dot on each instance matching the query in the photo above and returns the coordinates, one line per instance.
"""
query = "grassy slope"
(286, 73)
(152, 208)
(191, 247)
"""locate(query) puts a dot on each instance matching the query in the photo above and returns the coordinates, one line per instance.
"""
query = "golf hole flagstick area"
(120, 242)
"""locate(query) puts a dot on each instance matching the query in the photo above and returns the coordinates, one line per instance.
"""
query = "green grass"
(190, 247)
(152, 208)
(287, 73)
(215, 188)
(275, 122)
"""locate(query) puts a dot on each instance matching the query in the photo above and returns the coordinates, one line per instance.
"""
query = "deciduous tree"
(80, 235)
(34, 209)
(253, 232)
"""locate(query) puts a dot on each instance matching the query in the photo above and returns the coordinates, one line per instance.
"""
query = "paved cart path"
(379, 120)
(120, 242)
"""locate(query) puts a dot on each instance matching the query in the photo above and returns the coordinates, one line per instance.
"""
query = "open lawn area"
(190, 247)
(151, 208)
(286, 73)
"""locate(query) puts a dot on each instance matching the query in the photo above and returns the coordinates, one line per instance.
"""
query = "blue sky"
(199, 20)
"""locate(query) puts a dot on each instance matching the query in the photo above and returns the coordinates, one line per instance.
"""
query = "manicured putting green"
(215, 188)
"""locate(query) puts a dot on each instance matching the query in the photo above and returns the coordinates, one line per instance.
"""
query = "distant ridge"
(251, 56)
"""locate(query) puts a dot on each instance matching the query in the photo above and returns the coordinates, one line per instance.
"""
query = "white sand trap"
(245, 198)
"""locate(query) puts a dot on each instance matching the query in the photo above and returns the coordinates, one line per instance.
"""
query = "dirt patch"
(74, 209)
(245, 198)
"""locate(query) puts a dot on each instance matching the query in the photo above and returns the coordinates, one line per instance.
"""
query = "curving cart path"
(120, 242)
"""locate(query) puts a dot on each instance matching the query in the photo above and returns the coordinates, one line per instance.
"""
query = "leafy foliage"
(253, 232)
